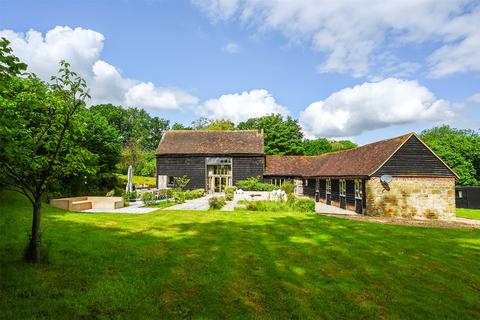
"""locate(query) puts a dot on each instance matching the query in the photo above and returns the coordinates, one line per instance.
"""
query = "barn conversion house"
(396, 177)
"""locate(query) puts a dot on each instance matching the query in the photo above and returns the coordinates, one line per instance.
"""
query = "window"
(343, 187)
(278, 182)
(221, 170)
(460, 194)
(329, 186)
(358, 189)
(171, 181)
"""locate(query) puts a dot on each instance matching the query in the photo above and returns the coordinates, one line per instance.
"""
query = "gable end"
(414, 158)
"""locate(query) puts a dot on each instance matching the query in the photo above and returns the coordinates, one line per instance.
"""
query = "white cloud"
(373, 105)
(151, 97)
(82, 49)
(353, 33)
(231, 48)
(242, 106)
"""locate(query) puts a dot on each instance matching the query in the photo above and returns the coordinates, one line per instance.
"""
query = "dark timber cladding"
(413, 158)
(210, 159)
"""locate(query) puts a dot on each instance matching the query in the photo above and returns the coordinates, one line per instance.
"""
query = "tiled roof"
(293, 166)
(211, 142)
(361, 161)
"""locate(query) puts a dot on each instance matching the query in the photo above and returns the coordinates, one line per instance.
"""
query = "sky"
(363, 70)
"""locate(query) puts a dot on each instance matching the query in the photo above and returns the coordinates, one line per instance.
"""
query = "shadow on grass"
(242, 265)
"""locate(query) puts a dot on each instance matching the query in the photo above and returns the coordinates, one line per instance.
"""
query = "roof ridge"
(202, 130)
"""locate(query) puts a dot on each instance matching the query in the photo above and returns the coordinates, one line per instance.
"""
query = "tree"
(179, 126)
(133, 124)
(40, 130)
(343, 145)
(103, 141)
(221, 124)
(200, 123)
(316, 147)
(460, 149)
(282, 136)
(10, 65)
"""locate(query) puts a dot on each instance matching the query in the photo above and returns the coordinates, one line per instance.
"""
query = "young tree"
(181, 182)
(40, 130)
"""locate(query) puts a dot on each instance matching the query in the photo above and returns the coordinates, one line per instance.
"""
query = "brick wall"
(412, 197)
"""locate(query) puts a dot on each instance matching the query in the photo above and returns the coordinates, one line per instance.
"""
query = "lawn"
(150, 181)
(172, 264)
(468, 213)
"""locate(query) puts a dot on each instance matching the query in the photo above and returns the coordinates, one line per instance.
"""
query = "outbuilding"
(399, 177)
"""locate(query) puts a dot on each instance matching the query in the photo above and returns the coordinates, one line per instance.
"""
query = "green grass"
(162, 204)
(150, 181)
(468, 213)
(173, 264)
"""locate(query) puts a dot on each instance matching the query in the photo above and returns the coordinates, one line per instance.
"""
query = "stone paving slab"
(328, 209)
(200, 204)
(133, 208)
(468, 221)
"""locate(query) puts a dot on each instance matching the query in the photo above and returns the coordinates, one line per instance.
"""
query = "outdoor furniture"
(86, 203)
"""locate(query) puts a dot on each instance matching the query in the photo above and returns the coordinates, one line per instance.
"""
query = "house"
(212, 160)
(394, 177)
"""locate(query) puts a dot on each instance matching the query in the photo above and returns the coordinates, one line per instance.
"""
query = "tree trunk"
(33, 254)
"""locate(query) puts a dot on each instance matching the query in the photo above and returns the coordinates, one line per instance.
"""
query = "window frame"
(343, 187)
(328, 186)
(358, 189)
(170, 181)
(278, 182)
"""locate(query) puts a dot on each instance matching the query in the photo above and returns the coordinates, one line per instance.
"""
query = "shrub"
(216, 203)
(304, 205)
(148, 198)
(254, 184)
(194, 194)
(162, 193)
(229, 193)
(110, 193)
(288, 188)
(130, 195)
(181, 182)
(179, 196)
(169, 193)
(298, 205)
(252, 206)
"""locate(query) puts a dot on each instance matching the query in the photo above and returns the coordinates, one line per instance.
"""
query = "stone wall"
(412, 197)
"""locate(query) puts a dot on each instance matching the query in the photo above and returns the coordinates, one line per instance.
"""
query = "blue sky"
(364, 72)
